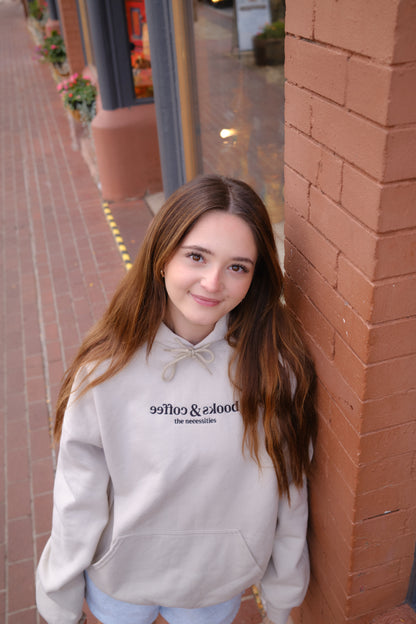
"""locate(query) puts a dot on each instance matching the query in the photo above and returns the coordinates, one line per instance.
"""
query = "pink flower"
(53, 46)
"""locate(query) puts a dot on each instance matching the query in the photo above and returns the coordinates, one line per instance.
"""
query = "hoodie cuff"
(278, 616)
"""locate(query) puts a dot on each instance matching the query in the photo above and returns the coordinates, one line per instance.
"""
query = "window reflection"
(139, 48)
(241, 108)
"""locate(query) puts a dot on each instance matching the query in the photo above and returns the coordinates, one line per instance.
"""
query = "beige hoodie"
(155, 499)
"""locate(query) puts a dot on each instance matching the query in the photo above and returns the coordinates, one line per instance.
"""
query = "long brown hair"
(270, 369)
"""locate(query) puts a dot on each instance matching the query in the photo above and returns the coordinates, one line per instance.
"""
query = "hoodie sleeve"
(80, 513)
(286, 579)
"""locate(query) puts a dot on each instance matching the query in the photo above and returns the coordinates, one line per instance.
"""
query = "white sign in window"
(251, 16)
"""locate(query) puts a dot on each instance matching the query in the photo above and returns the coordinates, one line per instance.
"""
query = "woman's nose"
(212, 280)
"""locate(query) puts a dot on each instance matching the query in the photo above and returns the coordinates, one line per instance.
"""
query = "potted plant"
(53, 51)
(269, 44)
(37, 16)
(37, 11)
(78, 95)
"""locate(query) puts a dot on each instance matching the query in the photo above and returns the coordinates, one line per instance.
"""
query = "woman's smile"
(205, 301)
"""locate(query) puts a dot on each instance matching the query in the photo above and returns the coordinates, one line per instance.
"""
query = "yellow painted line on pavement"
(259, 602)
(117, 236)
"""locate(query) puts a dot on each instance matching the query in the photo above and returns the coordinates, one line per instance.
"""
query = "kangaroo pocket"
(176, 569)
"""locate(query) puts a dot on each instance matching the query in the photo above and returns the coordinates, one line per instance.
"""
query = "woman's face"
(209, 274)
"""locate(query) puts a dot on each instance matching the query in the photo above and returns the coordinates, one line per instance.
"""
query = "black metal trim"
(165, 83)
(53, 10)
(109, 38)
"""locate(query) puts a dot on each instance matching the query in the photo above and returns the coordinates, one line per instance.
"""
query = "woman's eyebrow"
(243, 259)
(211, 253)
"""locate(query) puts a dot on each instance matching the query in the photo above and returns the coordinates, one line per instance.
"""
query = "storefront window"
(139, 48)
(241, 103)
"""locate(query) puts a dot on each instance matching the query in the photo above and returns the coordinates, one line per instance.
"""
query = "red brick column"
(72, 34)
(350, 192)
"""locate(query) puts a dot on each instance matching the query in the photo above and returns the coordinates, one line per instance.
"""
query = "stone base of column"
(127, 152)
(52, 25)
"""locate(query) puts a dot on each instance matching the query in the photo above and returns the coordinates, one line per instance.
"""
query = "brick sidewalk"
(59, 265)
(58, 268)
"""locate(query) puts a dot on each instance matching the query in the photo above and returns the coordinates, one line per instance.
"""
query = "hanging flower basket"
(79, 95)
(36, 20)
(53, 49)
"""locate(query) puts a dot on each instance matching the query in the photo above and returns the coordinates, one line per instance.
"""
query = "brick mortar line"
(125, 256)
(21, 611)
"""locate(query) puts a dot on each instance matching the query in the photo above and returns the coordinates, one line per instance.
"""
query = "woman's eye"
(239, 268)
(196, 257)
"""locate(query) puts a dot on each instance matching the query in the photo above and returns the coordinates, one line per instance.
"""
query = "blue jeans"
(111, 611)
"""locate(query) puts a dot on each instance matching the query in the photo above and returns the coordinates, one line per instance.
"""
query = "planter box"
(269, 51)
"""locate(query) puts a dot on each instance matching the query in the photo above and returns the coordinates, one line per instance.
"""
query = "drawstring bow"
(203, 354)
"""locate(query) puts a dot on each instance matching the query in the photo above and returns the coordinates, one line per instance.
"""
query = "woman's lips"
(205, 301)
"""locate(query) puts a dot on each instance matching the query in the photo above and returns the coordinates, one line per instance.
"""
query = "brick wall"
(350, 193)
(71, 33)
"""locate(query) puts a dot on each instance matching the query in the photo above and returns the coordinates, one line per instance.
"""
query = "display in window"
(139, 48)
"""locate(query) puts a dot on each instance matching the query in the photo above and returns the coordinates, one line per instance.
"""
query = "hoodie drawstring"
(203, 354)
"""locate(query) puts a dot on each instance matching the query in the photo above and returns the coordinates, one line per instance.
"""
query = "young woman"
(185, 424)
